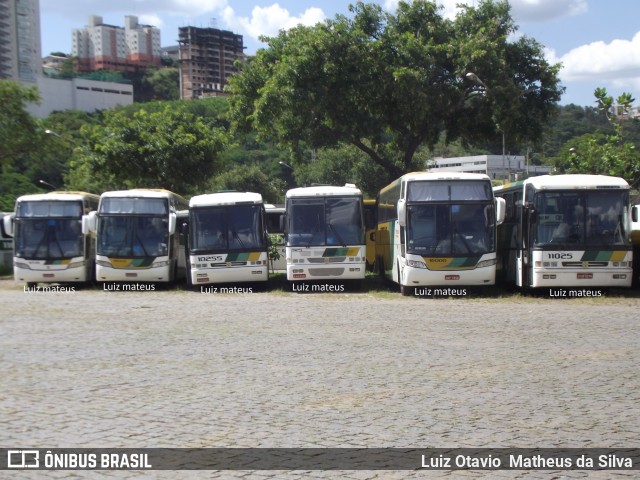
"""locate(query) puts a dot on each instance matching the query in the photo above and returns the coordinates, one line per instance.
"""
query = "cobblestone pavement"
(178, 369)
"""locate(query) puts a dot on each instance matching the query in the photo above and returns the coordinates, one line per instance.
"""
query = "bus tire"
(405, 291)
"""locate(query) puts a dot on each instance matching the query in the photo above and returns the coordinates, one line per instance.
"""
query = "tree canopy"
(167, 148)
(390, 83)
(610, 152)
(17, 127)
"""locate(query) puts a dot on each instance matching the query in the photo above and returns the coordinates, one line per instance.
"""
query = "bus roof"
(274, 208)
(569, 182)
(434, 176)
(225, 198)
(429, 175)
(56, 196)
(324, 190)
(142, 193)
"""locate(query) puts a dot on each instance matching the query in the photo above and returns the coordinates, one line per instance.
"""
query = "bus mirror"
(533, 215)
(89, 223)
(634, 213)
(500, 210)
(7, 224)
(402, 213)
(372, 236)
(173, 220)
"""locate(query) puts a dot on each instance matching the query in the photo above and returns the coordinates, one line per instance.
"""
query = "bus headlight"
(22, 265)
(416, 264)
(104, 263)
(76, 264)
(163, 263)
(486, 263)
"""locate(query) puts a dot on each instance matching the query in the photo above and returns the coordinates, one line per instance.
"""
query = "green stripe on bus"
(602, 256)
(56, 262)
(340, 252)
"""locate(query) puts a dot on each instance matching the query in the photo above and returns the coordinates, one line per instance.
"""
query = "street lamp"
(51, 132)
(287, 166)
(47, 184)
(475, 79)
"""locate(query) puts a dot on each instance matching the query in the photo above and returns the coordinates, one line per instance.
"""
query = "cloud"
(270, 20)
(154, 20)
(616, 62)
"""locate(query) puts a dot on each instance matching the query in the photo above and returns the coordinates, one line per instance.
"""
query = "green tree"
(18, 128)
(606, 105)
(606, 153)
(12, 185)
(390, 83)
(163, 84)
(250, 178)
(167, 148)
(340, 165)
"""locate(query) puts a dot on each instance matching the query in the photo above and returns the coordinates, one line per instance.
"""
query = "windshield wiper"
(335, 232)
(141, 244)
(49, 237)
(235, 235)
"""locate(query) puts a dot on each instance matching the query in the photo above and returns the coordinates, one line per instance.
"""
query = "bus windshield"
(579, 219)
(237, 227)
(40, 238)
(49, 229)
(330, 221)
(450, 229)
(133, 235)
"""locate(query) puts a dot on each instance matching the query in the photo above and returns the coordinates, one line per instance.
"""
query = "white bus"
(137, 236)
(438, 229)
(227, 239)
(324, 234)
(49, 244)
(566, 231)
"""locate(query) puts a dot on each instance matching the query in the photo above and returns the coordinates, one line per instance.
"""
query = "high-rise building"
(207, 57)
(20, 56)
(99, 46)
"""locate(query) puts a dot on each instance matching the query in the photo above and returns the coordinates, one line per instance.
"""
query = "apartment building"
(20, 51)
(99, 46)
(206, 59)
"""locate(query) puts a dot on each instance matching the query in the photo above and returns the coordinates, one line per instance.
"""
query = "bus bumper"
(337, 271)
(110, 274)
(204, 276)
(577, 278)
(417, 277)
(71, 272)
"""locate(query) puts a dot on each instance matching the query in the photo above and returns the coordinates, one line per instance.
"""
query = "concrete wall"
(80, 94)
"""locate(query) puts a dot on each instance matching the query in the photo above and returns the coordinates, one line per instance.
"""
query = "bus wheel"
(405, 291)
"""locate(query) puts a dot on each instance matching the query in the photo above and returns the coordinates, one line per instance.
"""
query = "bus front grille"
(326, 272)
(585, 264)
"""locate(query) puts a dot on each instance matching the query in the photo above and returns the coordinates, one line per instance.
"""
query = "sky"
(597, 41)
